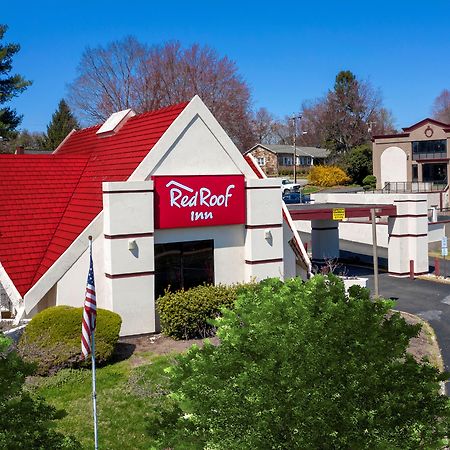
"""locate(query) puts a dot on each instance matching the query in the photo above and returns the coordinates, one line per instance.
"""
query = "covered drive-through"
(407, 227)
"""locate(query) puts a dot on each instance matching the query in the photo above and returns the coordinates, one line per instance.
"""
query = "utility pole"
(294, 121)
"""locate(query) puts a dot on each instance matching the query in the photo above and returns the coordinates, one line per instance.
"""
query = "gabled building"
(275, 158)
(168, 200)
(415, 160)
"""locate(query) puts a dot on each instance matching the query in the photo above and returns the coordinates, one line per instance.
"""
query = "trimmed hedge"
(327, 176)
(370, 182)
(185, 314)
(52, 340)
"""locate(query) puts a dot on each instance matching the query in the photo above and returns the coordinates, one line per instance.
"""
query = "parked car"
(287, 186)
(296, 197)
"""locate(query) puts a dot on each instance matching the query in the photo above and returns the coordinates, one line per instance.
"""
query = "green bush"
(26, 422)
(359, 163)
(52, 340)
(185, 314)
(370, 182)
(304, 366)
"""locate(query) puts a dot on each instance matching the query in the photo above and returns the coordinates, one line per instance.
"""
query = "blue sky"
(286, 51)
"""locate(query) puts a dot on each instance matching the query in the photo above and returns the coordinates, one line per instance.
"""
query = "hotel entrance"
(182, 265)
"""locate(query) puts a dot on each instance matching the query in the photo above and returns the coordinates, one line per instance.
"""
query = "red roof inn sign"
(199, 201)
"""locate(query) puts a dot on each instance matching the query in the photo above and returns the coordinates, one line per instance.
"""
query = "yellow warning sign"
(338, 213)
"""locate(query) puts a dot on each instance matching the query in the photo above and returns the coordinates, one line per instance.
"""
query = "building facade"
(274, 159)
(415, 160)
(167, 199)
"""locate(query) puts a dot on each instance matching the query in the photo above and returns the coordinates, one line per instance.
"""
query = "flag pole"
(94, 391)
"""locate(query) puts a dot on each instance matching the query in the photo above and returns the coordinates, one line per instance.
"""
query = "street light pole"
(294, 120)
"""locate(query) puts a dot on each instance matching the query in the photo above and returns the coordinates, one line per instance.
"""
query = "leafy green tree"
(303, 366)
(359, 163)
(62, 123)
(10, 87)
(346, 116)
(25, 422)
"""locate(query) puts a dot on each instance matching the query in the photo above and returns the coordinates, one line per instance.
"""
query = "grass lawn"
(310, 189)
(129, 400)
(134, 409)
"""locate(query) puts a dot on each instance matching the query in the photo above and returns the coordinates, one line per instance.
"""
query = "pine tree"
(62, 123)
(10, 87)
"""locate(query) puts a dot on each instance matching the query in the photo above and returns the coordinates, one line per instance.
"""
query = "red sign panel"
(199, 201)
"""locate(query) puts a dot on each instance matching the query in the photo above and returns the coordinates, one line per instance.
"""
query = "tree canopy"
(10, 87)
(441, 106)
(62, 123)
(346, 116)
(303, 366)
(129, 74)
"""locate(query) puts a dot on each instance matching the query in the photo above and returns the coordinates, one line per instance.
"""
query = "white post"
(375, 252)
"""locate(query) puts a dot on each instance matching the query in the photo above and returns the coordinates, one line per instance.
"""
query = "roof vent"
(115, 122)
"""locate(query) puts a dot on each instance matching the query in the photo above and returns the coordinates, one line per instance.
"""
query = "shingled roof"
(46, 201)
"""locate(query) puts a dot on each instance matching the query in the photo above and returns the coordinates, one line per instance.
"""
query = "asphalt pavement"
(427, 299)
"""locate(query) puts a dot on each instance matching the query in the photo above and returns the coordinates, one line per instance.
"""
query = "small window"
(415, 173)
(261, 161)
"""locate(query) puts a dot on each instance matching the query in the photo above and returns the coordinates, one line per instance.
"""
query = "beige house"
(415, 160)
(273, 158)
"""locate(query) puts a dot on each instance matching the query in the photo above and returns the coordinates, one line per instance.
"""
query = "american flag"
(89, 311)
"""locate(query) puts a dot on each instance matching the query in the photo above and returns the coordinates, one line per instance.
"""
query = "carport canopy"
(330, 211)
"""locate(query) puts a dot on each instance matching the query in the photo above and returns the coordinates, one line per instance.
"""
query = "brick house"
(272, 158)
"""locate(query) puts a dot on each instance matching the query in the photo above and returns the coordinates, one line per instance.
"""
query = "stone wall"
(271, 162)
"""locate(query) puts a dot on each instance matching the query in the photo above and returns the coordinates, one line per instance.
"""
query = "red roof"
(46, 201)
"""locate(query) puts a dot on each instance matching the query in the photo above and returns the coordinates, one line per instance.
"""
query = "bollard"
(411, 269)
(437, 269)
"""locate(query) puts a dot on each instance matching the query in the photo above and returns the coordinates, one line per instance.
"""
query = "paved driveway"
(427, 299)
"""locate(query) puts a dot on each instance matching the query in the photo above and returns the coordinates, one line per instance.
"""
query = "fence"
(414, 186)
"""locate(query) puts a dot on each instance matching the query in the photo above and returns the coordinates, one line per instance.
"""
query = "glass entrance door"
(182, 265)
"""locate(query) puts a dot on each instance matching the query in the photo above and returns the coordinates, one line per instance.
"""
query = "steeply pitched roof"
(34, 193)
(316, 152)
(47, 200)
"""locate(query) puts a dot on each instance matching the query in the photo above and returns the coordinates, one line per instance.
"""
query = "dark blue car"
(296, 197)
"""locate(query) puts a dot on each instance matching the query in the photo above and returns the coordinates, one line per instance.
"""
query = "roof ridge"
(44, 253)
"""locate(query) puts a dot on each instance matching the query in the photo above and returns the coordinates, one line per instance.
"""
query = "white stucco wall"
(71, 287)
(393, 165)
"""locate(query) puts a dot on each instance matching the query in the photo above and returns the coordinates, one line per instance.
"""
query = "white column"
(408, 237)
(129, 254)
(324, 240)
(264, 230)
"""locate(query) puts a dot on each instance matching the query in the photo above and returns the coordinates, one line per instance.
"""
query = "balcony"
(429, 150)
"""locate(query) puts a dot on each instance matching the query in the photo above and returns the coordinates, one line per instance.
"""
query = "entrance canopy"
(338, 211)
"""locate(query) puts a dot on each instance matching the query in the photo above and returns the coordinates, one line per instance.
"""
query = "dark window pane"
(429, 149)
(182, 265)
(415, 172)
(198, 263)
(434, 173)
(167, 268)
